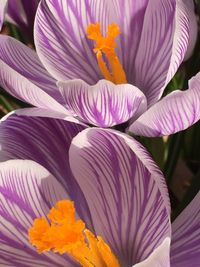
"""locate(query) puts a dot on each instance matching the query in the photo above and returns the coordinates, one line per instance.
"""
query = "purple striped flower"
(107, 62)
(117, 189)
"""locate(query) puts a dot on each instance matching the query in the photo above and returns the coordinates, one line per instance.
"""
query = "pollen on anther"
(106, 46)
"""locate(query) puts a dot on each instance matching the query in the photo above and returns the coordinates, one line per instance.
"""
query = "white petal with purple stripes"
(103, 104)
(60, 37)
(23, 89)
(129, 15)
(45, 141)
(27, 191)
(46, 113)
(193, 27)
(162, 46)
(125, 192)
(184, 36)
(175, 112)
(25, 61)
(185, 249)
(158, 258)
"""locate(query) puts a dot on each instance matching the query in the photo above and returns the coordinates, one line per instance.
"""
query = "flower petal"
(129, 15)
(21, 88)
(72, 57)
(193, 28)
(25, 62)
(125, 192)
(60, 37)
(163, 44)
(175, 112)
(45, 141)
(3, 8)
(184, 36)
(22, 13)
(46, 113)
(27, 191)
(185, 249)
(159, 258)
(103, 104)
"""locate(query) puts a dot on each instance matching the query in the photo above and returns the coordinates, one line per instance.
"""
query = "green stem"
(6, 104)
(173, 155)
(14, 32)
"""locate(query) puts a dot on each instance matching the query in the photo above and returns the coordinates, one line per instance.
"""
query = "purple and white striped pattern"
(149, 54)
(60, 37)
(193, 27)
(27, 191)
(3, 8)
(72, 57)
(162, 47)
(124, 198)
(25, 61)
(21, 88)
(184, 36)
(103, 104)
(159, 257)
(45, 141)
(175, 112)
(185, 249)
(46, 113)
(129, 15)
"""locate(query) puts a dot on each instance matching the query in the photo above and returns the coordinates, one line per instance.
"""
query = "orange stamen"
(65, 234)
(106, 45)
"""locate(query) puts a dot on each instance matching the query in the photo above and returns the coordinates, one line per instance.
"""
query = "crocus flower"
(118, 193)
(107, 62)
(21, 13)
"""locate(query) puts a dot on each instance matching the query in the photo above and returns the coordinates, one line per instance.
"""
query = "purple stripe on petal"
(184, 36)
(25, 61)
(175, 112)
(27, 191)
(124, 190)
(159, 258)
(103, 104)
(62, 44)
(60, 37)
(45, 141)
(21, 88)
(162, 47)
(193, 27)
(129, 15)
(46, 113)
(185, 249)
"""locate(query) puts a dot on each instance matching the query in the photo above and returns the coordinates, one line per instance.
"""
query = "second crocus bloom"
(107, 63)
(119, 195)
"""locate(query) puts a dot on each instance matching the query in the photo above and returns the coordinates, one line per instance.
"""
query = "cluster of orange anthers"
(66, 234)
(105, 46)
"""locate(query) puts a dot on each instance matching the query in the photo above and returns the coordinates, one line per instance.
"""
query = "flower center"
(63, 233)
(106, 46)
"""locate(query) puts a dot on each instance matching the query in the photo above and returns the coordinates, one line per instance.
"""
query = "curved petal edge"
(125, 192)
(173, 113)
(103, 104)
